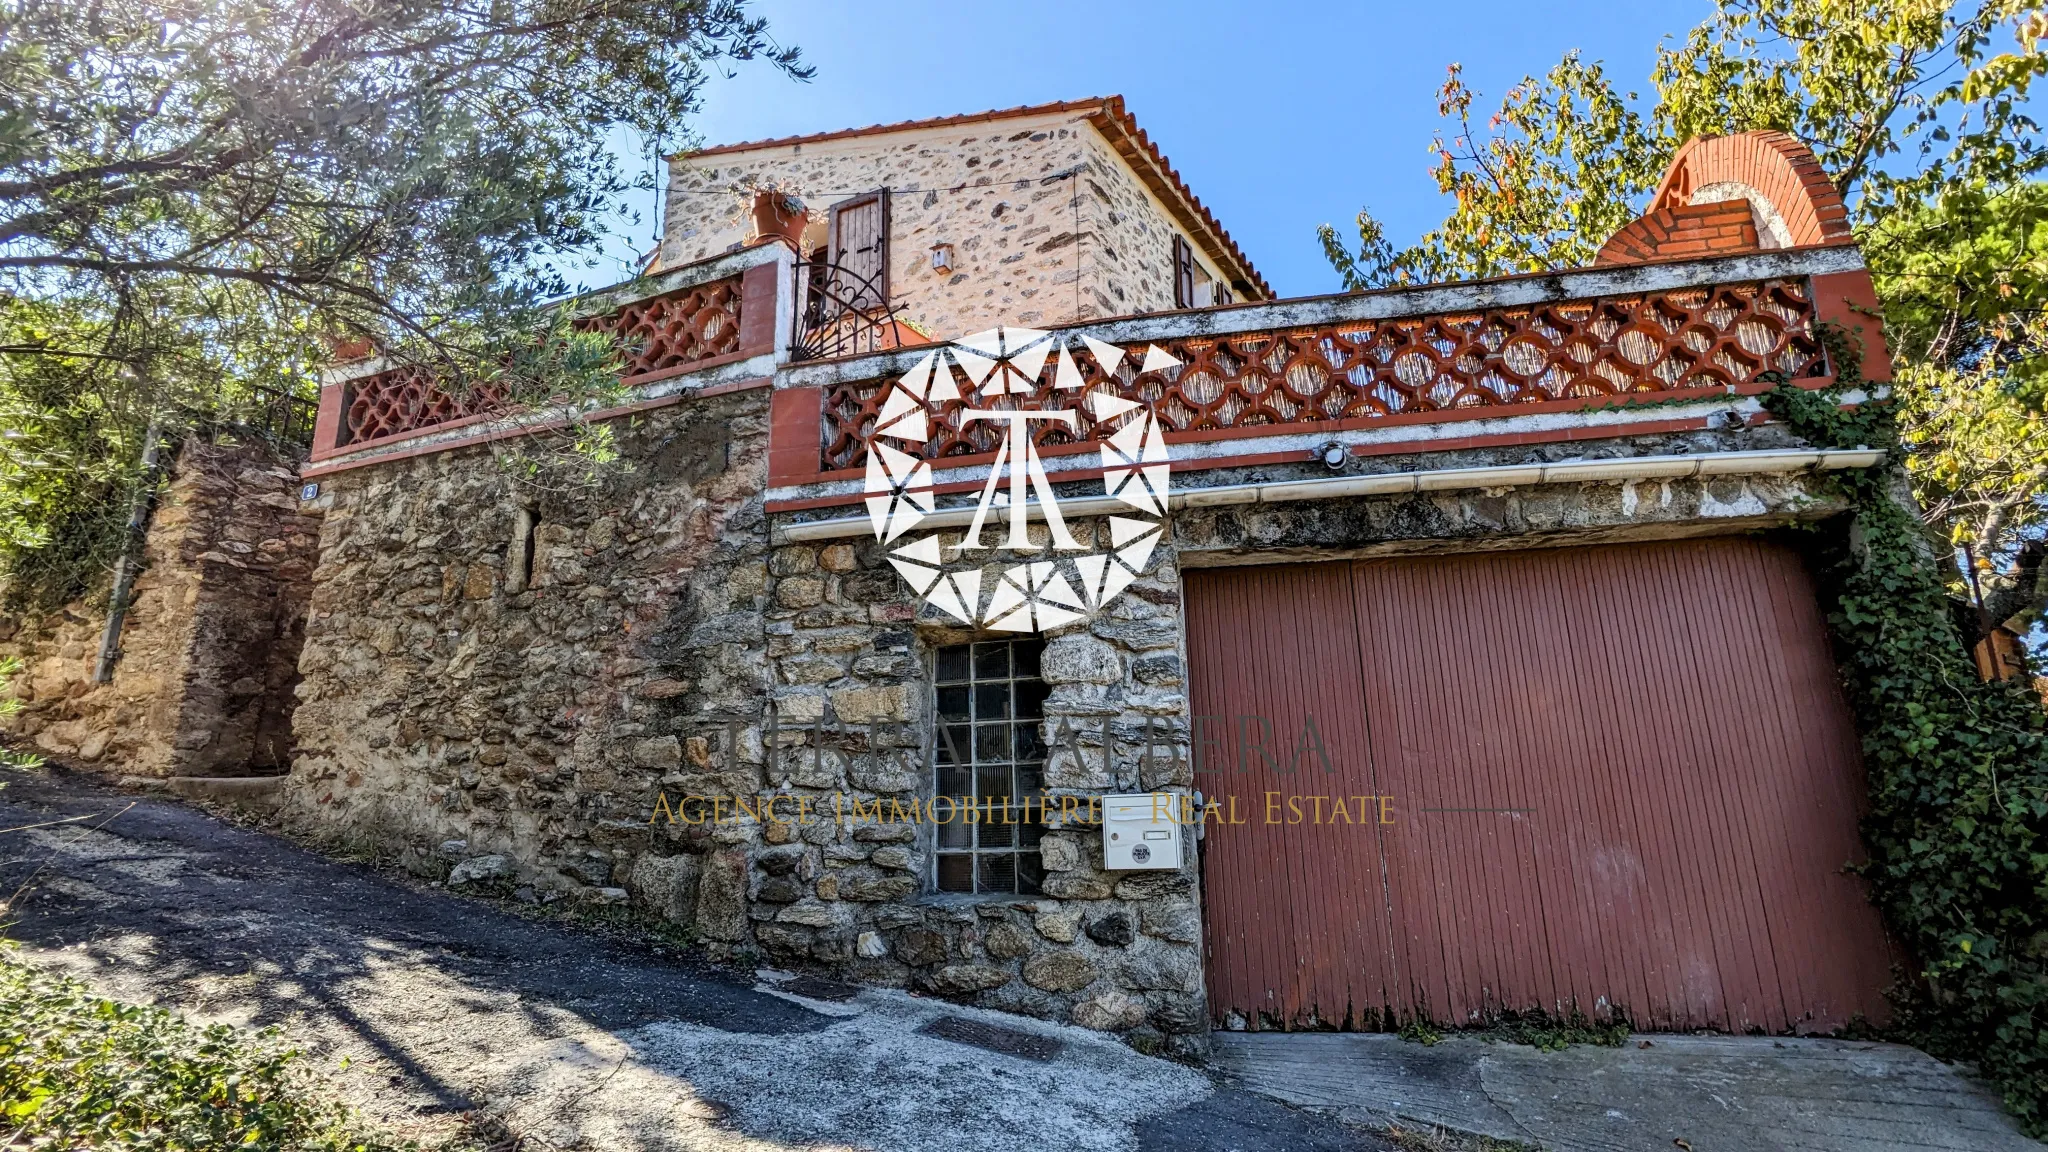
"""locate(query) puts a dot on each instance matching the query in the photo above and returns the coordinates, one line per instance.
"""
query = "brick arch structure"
(1739, 193)
(1726, 195)
(1771, 167)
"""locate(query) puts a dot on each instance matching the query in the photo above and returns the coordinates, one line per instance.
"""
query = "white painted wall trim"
(1401, 483)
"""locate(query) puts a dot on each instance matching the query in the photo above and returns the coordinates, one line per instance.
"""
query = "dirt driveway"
(440, 1005)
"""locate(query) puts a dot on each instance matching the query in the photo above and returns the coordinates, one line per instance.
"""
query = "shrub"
(81, 1072)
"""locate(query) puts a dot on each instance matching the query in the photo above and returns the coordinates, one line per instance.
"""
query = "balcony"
(1556, 356)
(1351, 373)
(1579, 354)
(693, 320)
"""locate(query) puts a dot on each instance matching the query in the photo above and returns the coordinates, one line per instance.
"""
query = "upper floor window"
(857, 244)
(1183, 273)
(1193, 287)
(990, 755)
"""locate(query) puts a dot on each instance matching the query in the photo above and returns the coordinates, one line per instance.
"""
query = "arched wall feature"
(1777, 166)
(1728, 194)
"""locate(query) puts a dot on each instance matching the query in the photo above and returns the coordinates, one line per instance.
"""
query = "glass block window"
(989, 755)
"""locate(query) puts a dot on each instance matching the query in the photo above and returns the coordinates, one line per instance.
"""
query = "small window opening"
(1183, 273)
(519, 558)
(989, 756)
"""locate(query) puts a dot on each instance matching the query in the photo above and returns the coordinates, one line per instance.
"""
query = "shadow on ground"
(442, 1005)
(229, 914)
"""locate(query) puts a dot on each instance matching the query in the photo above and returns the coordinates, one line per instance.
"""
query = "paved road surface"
(442, 1004)
(1707, 1093)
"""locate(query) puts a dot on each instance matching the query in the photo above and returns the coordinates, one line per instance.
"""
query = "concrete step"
(258, 791)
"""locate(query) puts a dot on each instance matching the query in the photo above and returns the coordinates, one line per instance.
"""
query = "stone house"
(1042, 215)
(1466, 625)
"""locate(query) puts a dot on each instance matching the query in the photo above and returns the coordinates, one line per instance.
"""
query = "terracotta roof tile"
(1109, 116)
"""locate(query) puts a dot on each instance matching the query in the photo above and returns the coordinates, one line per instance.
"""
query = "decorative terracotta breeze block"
(679, 328)
(405, 399)
(658, 334)
(1658, 342)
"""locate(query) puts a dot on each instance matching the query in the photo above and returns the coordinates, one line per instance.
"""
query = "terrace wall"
(547, 725)
(720, 620)
(210, 643)
(499, 666)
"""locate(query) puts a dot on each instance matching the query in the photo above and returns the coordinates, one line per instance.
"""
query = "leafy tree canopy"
(1918, 109)
(194, 195)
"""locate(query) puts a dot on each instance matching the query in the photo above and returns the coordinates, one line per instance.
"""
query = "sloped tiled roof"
(1114, 121)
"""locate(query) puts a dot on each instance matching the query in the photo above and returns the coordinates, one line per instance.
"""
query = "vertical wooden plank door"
(1620, 779)
(859, 248)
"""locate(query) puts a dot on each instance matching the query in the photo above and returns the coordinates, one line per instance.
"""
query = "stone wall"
(210, 643)
(559, 735)
(1117, 951)
(1129, 267)
(1029, 206)
(1518, 517)
(496, 669)
(527, 732)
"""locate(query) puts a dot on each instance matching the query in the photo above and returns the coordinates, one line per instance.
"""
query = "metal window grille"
(988, 756)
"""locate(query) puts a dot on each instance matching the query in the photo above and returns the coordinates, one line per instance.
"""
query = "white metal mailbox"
(1141, 831)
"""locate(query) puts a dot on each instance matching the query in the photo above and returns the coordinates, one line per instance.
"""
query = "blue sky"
(1281, 116)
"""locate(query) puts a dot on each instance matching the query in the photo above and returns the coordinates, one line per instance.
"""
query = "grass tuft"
(88, 1074)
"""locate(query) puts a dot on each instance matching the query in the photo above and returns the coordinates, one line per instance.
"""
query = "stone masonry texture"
(210, 643)
(562, 733)
(1048, 225)
(527, 698)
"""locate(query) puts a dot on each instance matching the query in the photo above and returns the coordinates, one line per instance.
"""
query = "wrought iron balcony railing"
(841, 313)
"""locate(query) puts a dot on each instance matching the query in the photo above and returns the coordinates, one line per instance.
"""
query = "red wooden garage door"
(1617, 777)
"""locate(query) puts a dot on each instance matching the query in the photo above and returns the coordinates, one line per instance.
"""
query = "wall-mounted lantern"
(942, 258)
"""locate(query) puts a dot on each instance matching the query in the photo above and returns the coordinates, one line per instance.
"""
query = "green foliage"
(542, 366)
(1919, 111)
(1903, 101)
(194, 199)
(1535, 1027)
(1965, 286)
(1556, 173)
(1545, 1032)
(10, 667)
(85, 1073)
(1899, 99)
(1420, 1031)
(1958, 775)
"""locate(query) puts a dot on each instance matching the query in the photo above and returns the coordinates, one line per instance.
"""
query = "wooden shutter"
(1183, 273)
(858, 245)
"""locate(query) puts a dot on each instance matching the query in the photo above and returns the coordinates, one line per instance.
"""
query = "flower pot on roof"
(779, 214)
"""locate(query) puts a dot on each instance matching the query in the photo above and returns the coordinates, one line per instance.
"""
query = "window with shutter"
(858, 245)
(1183, 273)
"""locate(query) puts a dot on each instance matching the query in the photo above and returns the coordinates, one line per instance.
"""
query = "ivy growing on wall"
(1957, 828)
